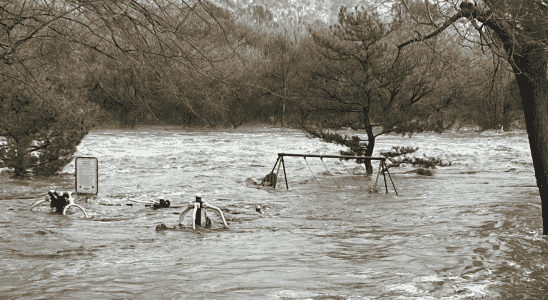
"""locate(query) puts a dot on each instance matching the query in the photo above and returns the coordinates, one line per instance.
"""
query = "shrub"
(40, 135)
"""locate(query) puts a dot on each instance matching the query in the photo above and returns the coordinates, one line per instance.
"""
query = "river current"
(472, 230)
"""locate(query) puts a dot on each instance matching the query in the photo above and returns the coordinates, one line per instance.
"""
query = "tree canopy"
(517, 32)
(198, 63)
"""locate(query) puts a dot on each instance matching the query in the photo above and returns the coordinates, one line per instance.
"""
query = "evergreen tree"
(395, 157)
(355, 76)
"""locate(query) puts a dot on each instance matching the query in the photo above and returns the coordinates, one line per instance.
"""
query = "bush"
(40, 135)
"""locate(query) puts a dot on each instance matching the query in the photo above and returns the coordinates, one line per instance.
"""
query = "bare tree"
(185, 38)
(518, 31)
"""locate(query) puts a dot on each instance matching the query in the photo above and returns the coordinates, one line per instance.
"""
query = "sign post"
(87, 175)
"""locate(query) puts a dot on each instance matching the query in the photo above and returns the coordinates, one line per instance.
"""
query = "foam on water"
(472, 230)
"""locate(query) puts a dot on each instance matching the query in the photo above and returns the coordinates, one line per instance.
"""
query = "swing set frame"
(382, 166)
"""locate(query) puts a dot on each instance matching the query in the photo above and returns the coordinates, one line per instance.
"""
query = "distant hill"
(308, 11)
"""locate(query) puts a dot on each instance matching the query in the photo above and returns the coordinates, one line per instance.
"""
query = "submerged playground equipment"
(60, 203)
(86, 182)
(197, 207)
(382, 167)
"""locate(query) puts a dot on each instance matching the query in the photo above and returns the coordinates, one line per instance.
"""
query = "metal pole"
(198, 220)
(378, 174)
(277, 172)
(285, 175)
(275, 164)
(384, 175)
(389, 176)
(332, 156)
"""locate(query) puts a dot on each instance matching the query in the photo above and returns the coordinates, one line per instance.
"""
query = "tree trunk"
(530, 72)
(370, 139)
(528, 57)
(21, 158)
(283, 100)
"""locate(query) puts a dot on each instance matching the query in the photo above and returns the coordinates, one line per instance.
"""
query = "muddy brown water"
(472, 230)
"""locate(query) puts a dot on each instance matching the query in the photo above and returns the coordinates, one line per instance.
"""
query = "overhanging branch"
(471, 11)
(420, 38)
(514, 44)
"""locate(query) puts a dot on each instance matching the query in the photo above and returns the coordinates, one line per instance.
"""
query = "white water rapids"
(472, 230)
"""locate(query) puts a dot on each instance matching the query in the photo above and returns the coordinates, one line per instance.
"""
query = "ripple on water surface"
(471, 230)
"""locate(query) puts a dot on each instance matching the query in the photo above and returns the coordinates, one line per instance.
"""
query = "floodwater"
(472, 230)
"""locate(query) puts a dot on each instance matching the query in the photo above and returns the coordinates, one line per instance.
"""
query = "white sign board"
(87, 173)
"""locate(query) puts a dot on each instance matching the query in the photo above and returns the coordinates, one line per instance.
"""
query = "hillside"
(308, 11)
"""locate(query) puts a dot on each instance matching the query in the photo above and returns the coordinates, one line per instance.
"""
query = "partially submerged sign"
(87, 175)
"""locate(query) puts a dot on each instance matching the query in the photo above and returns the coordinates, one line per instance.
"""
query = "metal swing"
(382, 168)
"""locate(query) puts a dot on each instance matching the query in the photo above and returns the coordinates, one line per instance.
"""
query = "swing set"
(382, 168)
